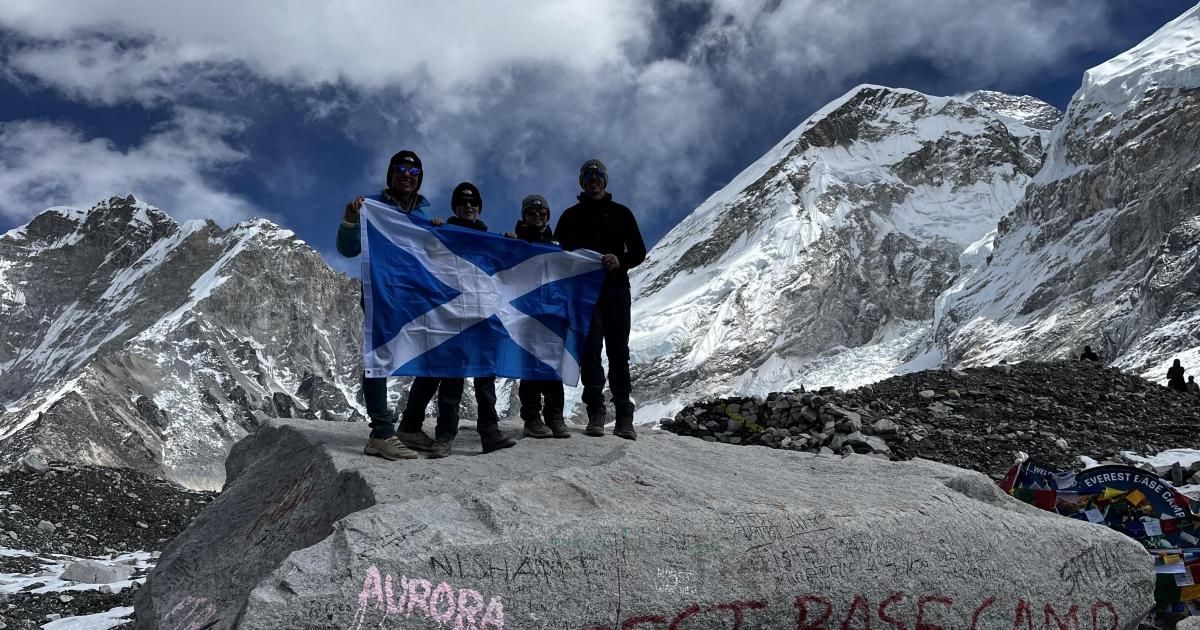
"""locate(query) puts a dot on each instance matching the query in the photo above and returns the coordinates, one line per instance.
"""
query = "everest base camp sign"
(1135, 502)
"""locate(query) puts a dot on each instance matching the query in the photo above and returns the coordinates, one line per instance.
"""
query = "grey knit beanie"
(534, 202)
(593, 166)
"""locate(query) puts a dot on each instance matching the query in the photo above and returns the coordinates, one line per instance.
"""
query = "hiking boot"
(535, 428)
(558, 428)
(494, 439)
(439, 448)
(624, 429)
(417, 440)
(389, 447)
(595, 425)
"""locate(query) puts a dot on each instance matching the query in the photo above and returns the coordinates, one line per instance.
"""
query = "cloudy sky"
(229, 109)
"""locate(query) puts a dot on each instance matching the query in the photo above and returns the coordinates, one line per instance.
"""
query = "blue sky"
(227, 110)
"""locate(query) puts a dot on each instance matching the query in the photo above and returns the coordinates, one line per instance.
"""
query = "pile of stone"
(800, 421)
(979, 418)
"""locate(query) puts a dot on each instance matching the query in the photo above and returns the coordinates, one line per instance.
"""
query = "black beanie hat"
(407, 158)
(464, 191)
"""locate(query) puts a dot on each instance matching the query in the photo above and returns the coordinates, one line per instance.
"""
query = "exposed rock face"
(606, 534)
(1104, 249)
(977, 418)
(133, 341)
(841, 236)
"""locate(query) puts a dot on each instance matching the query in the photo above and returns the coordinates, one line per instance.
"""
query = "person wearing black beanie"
(401, 185)
(467, 204)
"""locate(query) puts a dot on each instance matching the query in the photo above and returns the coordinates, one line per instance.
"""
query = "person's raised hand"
(436, 221)
(352, 210)
(610, 262)
(511, 234)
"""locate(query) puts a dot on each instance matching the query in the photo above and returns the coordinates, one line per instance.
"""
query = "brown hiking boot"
(417, 440)
(389, 447)
(535, 428)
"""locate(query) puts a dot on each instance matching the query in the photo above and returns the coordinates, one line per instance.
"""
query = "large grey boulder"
(92, 572)
(604, 534)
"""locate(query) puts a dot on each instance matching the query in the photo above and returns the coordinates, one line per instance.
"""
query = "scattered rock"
(34, 464)
(92, 572)
(1052, 411)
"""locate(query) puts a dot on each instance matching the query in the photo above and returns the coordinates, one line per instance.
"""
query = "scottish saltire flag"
(452, 302)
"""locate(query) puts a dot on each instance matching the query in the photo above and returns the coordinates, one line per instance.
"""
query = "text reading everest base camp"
(384, 596)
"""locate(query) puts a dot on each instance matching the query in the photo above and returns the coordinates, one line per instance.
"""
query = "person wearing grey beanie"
(534, 227)
(600, 224)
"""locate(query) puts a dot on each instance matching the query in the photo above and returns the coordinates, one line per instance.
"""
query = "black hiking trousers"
(609, 331)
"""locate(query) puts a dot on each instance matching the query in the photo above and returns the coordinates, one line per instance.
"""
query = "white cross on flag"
(452, 302)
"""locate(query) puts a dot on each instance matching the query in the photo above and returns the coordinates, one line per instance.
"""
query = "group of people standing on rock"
(595, 222)
(1174, 374)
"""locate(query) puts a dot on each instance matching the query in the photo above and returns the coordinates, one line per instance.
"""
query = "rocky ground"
(976, 418)
(51, 515)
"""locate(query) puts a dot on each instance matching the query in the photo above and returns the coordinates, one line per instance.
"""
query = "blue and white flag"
(451, 302)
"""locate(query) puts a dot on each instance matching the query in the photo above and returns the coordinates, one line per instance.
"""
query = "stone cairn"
(800, 421)
(977, 418)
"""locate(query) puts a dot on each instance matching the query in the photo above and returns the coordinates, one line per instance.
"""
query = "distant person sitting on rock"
(602, 225)
(403, 180)
(1088, 355)
(534, 227)
(467, 204)
(1175, 378)
(1193, 386)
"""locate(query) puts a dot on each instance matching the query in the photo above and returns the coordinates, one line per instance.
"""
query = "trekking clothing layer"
(1193, 387)
(474, 225)
(449, 394)
(1088, 355)
(531, 392)
(610, 328)
(534, 234)
(348, 243)
(604, 226)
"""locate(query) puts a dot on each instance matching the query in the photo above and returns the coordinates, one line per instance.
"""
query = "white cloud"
(530, 89)
(45, 164)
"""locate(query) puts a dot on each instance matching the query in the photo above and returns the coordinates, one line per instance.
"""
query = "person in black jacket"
(1175, 378)
(600, 224)
(467, 204)
(534, 227)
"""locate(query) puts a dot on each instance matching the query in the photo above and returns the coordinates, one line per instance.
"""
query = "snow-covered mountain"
(127, 339)
(1104, 249)
(840, 238)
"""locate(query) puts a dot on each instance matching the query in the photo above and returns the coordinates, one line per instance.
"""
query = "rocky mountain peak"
(167, 337)
(843, 233)
(1025, 110)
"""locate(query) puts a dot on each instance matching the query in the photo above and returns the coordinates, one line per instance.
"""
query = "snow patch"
(99, 621)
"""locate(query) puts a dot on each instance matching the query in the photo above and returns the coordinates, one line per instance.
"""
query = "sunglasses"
(411, 170)
(474, 203)
(591, 176)
(535, 212)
